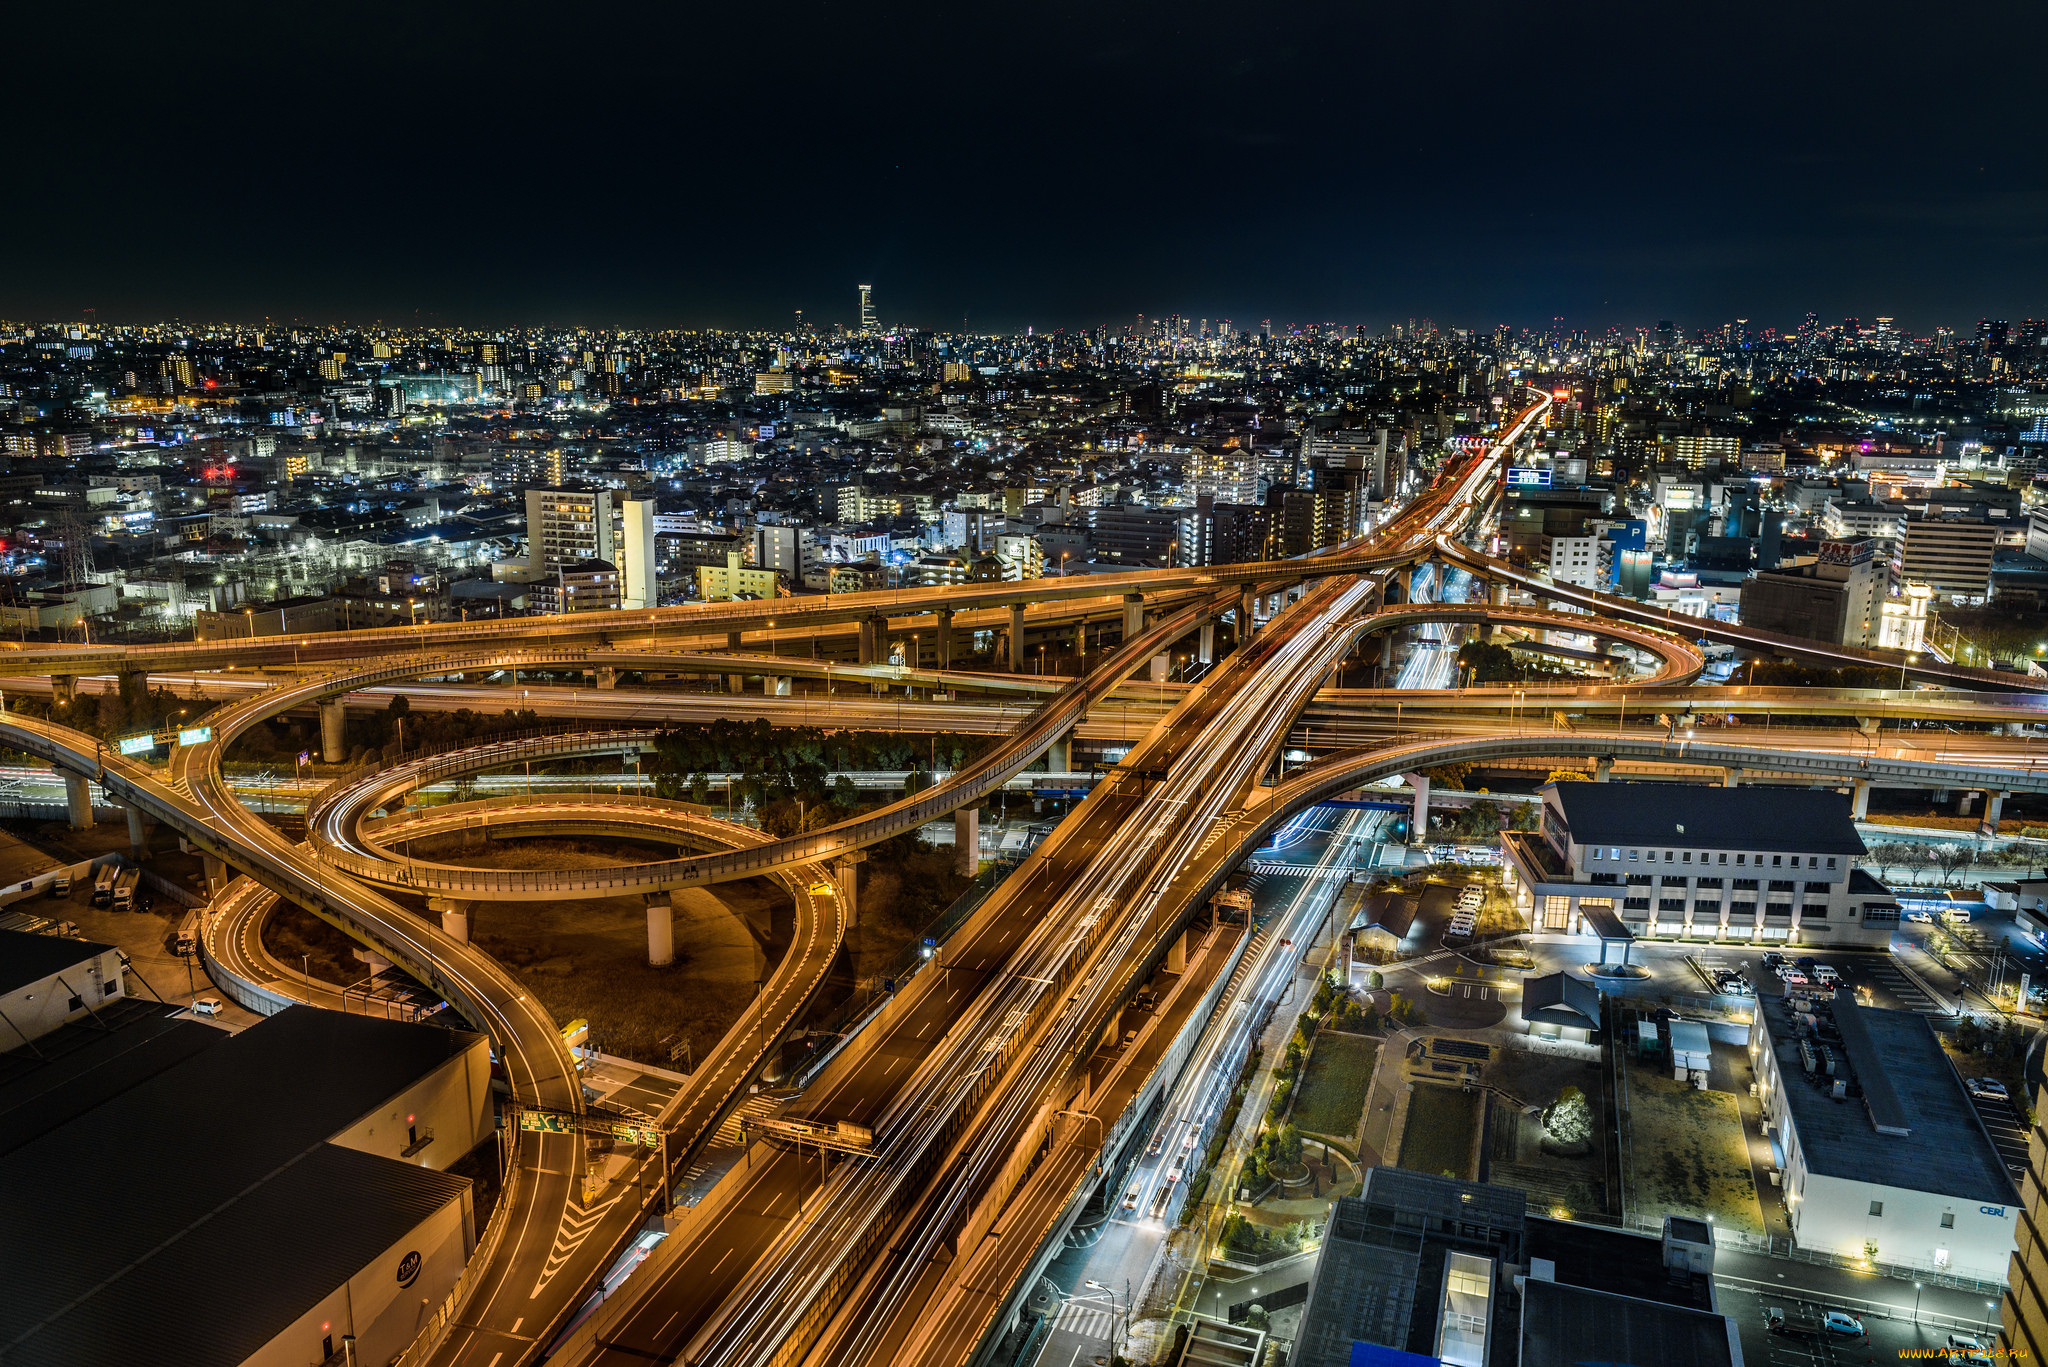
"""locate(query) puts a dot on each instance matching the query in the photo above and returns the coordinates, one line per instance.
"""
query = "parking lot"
(1806, 1344)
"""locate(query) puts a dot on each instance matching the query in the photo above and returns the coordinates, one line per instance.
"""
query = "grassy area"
(1438, 1135)
(1688, 1154)
(1334, 1085)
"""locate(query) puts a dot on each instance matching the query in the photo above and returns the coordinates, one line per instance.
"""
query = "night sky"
(1056, 165)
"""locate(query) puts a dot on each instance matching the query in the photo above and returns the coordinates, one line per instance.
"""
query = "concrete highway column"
(735, 683)
(1966, 800)
(782, 686)
(454, 916)
(1162, 665)
(846, 876)
(1016, 638)
(1387, 649)
(1245, 615)
(1859, 800)
(733, 639)
(661, 930)
(333, 731)
(134, 828)
(967, 841)
(607, 678)
(1059, 756)
(1994, 805)
(868, 653)
(217, 874)
(1205, 647)
(945, 635)
(1497, 593)
(1731, 777)
(1603, 770)
(1418, 830)
(1396, 590)
(1134, 615)
(1177, 953)
(63, 688)
(78, 802)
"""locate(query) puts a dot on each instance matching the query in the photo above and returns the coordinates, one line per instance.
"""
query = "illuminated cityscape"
(1141, 690)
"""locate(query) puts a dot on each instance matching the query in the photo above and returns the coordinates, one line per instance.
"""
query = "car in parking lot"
(1773, 959)
(1920, 918)
(1841, 1322)
(207, 1006)
(1986, 1088)
(1825, 975)
(1792, 977)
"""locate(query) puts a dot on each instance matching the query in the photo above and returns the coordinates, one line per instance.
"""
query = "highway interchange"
(918, 1250)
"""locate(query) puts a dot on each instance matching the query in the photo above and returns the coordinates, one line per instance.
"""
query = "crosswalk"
(1089, 1321)
(1275, 868)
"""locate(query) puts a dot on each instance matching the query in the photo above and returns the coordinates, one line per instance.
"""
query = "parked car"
(1825, 974)
(1772, 958)
(1920, 917)
(1956, 916)
(1792, 977)
(1986, 1088)
(1842, 1322)
(206, 1006)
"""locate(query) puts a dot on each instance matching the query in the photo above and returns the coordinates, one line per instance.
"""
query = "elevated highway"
(1608, 606)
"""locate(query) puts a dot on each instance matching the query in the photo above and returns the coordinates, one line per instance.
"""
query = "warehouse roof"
(165, 1202)
(1908, 1085)
(27, 958)
(1695, 816)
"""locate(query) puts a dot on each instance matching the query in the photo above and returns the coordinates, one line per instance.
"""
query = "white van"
(1956, 916)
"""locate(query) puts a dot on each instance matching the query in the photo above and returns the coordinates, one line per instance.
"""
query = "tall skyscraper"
(867, 308)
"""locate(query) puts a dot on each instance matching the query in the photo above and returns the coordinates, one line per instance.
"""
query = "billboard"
(1527, 477)
(136, 745)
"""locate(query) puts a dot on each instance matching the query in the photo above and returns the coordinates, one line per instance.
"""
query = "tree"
(1569, 1119)
(1450, 776)
(1953, 859)
(1914, 858)
(1568, 776)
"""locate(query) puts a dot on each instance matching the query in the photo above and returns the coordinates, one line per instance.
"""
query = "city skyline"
(1055, 168)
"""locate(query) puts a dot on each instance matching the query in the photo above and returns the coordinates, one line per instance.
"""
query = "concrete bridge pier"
(1059, 756)
(1205, 646)
(134, 828)
(78, 802)
(661, 930)
(1162, 665)
(944, 635)
(1603, 770)
(846, 877)
(1246, 623)
(333, 731)
(1497, 593)
(217, 874)
(607, 678)
(782, 685)
(1965, 800)
(967, 841)
(1731, 777)
(63, 689)
(1418, 826)
(735, 683)
(1859, 800)
(1994, 804)
(733, 639)
(873, 630)
(1134, 615)
(1016, 638)
(454, 915)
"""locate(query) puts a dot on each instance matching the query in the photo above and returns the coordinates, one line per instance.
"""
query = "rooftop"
(1566, 1326)
(203, 1154)
(1908, 1085)
(27, 958)
(1809, 820)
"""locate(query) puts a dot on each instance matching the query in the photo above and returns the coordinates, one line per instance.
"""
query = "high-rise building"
(567, 527)
(638, 579)
(1838, 598)
(1951, 554)
(867, 308)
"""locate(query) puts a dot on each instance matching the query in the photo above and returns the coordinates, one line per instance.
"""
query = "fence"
(1787, 1249)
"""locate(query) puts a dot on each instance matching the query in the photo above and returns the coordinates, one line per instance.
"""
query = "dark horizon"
(1064, 167)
